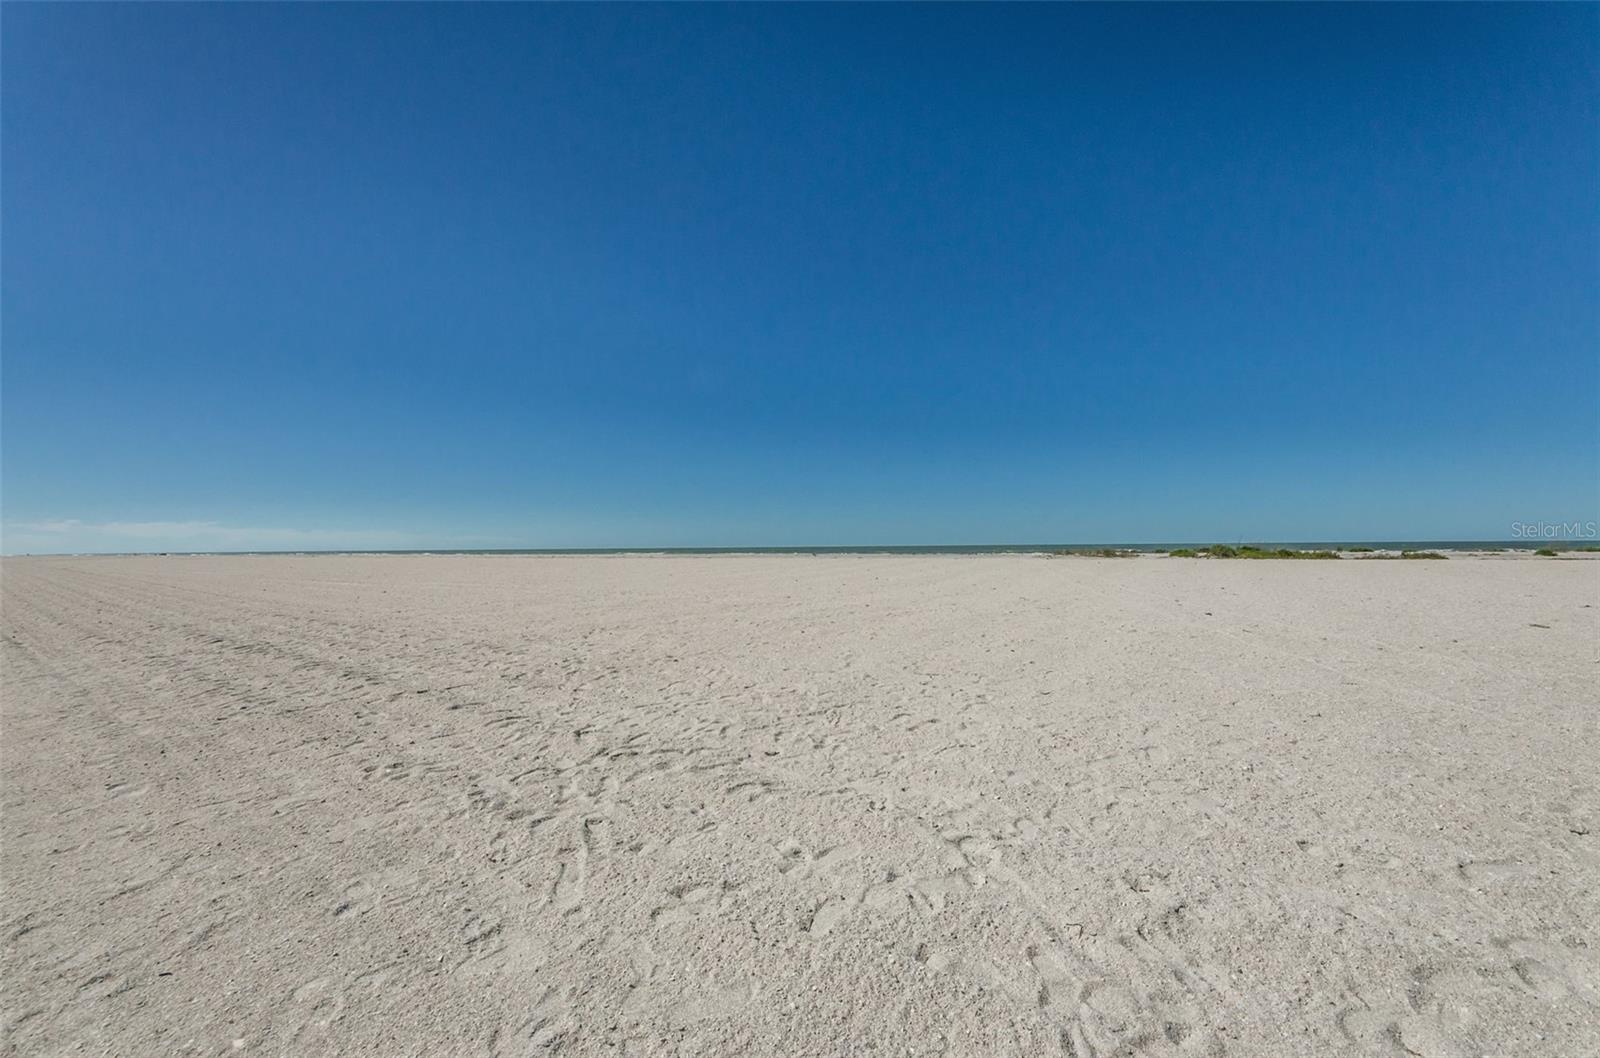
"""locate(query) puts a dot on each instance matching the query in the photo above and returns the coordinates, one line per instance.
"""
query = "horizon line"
(1456, 544)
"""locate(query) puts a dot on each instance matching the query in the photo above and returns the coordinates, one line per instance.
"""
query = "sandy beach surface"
(758, 805)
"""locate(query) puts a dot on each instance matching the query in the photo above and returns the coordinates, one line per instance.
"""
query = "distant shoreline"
(890, 549)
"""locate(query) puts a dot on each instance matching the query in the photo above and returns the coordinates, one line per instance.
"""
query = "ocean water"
(954, 549)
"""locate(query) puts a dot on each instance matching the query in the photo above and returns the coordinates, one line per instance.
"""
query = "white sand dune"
(744, 805)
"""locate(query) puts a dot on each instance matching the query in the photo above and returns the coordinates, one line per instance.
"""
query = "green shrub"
(1547, 552)
(1252, 551)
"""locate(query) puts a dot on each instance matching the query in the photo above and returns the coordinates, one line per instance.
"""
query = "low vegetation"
(1183, 552)
(1096, 552)
(1251, 551)
(1547, 552)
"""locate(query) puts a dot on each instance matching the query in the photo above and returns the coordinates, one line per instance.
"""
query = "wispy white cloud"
(72, 535)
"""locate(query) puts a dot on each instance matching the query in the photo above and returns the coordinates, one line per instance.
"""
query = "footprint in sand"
(698, 901)
(797, 864)
(543, 1031)
(1485, 874)
(318, 1005)
(830, 914)
(1551, 970)
(359, 898)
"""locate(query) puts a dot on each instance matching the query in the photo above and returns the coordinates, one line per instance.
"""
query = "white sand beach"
(793, 805)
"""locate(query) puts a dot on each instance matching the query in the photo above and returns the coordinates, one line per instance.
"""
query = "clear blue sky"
(299, 276)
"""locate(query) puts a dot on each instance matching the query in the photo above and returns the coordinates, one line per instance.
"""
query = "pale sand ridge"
(741, 805)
